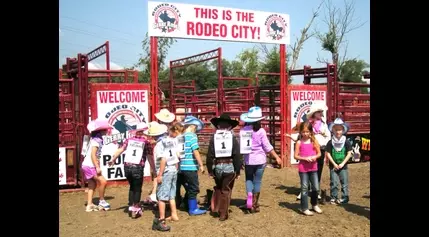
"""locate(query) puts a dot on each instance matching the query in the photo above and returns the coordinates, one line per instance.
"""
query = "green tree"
(271, 63)
(353, 71)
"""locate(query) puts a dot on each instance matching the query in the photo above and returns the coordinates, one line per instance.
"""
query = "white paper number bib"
(170, 146)
(245, 141)
(181, 146)
(134, 152)
(223, 143)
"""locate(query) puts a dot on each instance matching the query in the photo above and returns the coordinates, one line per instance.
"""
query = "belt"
(131, 164)
(223, 161)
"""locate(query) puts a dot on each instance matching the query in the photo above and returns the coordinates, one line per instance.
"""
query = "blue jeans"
(166, 190)
(340, 176)
(306, 179)
(254, 175)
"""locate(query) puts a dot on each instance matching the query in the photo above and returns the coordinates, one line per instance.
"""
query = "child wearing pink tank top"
(307, 151)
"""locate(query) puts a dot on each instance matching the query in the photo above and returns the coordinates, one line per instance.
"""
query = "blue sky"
(84, 25)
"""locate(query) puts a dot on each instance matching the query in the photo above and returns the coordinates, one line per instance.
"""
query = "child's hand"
(336, 167)
(110, 163)
(279, 161)
(98, 170)
(340, 166)
(159, 179)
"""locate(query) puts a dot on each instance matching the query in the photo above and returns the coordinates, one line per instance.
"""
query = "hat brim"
(163, 130)
(346, 127)
(163, 119)
(245, 118)
(198, 123)
(141, 129)
(217, 120)
(310, 114)
(102, 128)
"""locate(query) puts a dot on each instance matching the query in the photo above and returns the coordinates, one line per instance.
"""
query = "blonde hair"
(309, 127)
(177, 127)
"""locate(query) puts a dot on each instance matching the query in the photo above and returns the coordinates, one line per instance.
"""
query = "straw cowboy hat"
(98, 125)
(155, 129)
(191, 120)
(254, 115)
(165, 116)
(339, 121)
(141, 127)
(316, 107)
(224, 118)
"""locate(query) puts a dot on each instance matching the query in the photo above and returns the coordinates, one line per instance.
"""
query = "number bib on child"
(181, 146)
(134, 152)
(245, 141)
(223, 144)
(170, 146)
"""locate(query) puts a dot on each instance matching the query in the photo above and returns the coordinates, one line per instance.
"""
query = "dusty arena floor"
(279, 214)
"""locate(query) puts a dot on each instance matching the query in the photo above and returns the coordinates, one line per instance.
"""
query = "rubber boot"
(256, 202)
(193, 208)
(249, 202)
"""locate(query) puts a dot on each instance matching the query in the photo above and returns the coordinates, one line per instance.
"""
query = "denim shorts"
(166, 190)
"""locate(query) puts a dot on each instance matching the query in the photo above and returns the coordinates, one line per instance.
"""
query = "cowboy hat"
(98, 125)
(224, 118)
(316, 107)
(141, 127)
(339, 121)
(155, 129)
(254, 115)
(191, 120)
(165, 116)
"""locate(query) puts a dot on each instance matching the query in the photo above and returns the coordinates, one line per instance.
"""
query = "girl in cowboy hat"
(339, 151)
(166, 168)
(164, 117)
(223, 163)
(91, 165)
(254, 144)
(321, 133)
(307, 151)
(190, 164)
(136, 151)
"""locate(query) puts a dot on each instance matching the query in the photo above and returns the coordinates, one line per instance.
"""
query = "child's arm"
(116, 155)
(94, 159)
(290, 136)
(318, 153)
(161, 169)
(331, 160)
(198, 158)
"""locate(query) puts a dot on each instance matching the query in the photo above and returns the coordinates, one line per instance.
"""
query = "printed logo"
(276, 26)
(123, 118)
(302, 111)
(166, 18)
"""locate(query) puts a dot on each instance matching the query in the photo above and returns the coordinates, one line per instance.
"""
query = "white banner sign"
(217, 23)
(116, 172)
(124, 109)
(62, 168)
(300, 106)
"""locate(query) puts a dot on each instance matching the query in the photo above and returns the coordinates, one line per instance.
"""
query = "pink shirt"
(260, 147)
(306, 150)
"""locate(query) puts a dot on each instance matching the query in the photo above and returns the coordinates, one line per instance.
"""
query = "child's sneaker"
(308, 213)
(103, 205)
(333, 201)
(137, 212)
(317, 209)
(153, 198)
(343, 201)
(90, 208)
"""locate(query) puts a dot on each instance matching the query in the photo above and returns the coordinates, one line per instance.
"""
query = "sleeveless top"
(306, 150)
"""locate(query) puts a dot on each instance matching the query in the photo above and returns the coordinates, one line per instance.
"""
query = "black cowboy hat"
(224, 118)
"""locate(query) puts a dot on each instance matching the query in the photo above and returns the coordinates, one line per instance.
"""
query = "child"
(223, 164)
(91, 165)
(188, 175)
(307, 151)
(181, 154)
(164, 117)
(255, 157)
(339, 151)
(166, 167)
(135, 157)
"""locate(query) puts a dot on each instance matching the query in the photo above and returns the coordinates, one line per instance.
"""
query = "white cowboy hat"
(98, 125)
(254, 115)
(165, 116)
(339, 121)
(155, 129)
(141, 127)
(316, 107)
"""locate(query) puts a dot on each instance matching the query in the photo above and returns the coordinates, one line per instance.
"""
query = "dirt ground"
(279, 214)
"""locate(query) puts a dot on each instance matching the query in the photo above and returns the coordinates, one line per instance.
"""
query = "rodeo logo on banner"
(124, 109)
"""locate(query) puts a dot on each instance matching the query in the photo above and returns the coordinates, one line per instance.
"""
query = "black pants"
(134, 175)
(189, 179)
(320, 163)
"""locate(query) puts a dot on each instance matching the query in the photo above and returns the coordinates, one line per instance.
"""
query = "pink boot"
(249, 202)
(137, 212)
